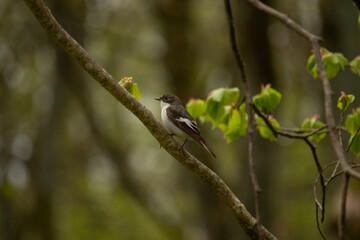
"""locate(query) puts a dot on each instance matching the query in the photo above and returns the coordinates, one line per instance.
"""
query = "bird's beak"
(158, 99)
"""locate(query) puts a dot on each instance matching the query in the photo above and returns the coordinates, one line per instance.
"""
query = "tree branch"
(314, 40)
(284, 19)
(250, 113)
(329, 113)
(74, 49)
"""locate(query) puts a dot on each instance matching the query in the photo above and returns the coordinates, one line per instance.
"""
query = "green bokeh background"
(75, 164)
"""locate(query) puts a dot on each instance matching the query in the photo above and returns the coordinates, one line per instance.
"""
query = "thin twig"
(352, 140)
(251, 123)
(317, 220)
(265, 118)
(284, 19)
(278, 131)
(343, 207)
(340, 124)
(322, 179)
(341, 172)
(299, 131)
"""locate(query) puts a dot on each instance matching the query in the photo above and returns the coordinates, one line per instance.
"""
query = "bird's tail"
(206, 146)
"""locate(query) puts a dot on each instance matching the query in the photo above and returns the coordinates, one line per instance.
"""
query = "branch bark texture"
(75, 50)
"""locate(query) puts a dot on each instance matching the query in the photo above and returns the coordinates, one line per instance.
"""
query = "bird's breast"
(170, 126)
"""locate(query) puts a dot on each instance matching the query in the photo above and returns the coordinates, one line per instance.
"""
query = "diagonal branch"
(284, 19)
(73, 48)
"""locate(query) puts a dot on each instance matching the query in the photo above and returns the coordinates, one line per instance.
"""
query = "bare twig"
(341, 172)
(317, 219)
(322, 179)
(343, 207)
(265, 118)
(73, 48)
(251, 123)
(333, 172)
(287, 133)
(352, 140)
(284, 19)
(340, 124)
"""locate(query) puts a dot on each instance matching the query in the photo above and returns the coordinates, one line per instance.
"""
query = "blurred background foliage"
(75, 164)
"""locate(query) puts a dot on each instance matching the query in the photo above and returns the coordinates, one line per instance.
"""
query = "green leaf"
(311, 66)
(131, 87)
(313, 123)
(332, 63)
(216, 102)
(135, 91)
(352, 122)
(196, 108)
(215, 110)
(345, 101)
(355, 146)
(264, 130)
(231, 96)
(237, 124)
(226, 96)
(268, 98)
(217, 95)
(355, 65)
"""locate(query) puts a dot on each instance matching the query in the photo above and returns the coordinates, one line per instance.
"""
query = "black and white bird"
(179, 122)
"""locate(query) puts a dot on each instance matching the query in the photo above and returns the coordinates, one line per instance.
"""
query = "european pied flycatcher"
(179, 122)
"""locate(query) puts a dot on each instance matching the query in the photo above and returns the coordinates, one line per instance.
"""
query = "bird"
(179, 122)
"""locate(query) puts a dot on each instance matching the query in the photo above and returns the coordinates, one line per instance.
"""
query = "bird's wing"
(183, 120)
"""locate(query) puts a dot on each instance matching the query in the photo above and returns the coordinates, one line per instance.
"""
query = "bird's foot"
(182, 145)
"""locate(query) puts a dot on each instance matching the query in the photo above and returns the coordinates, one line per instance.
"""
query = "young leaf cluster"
(355, 65)
(222, 110)
(267, 99)
(332, 63)
(313, 123)
(131, 87)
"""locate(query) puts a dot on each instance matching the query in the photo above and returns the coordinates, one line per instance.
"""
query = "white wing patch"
(189, 123)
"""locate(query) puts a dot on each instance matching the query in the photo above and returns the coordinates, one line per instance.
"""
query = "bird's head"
(169, 98)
